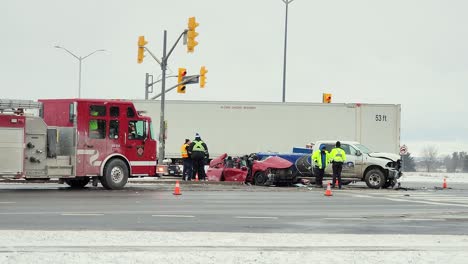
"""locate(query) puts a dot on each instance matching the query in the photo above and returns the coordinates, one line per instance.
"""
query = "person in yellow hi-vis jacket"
(187, 171)
(321, 159)
(337, 157)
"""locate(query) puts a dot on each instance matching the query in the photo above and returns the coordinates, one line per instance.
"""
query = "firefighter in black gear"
(198, 152)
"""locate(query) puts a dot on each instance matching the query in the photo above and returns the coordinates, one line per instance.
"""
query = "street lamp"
(80, 59)
(287, 2)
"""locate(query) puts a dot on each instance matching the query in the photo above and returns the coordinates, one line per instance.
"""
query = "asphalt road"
(420, 209)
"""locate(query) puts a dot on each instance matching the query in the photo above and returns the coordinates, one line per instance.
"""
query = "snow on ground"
(437, 177)
(23, 246)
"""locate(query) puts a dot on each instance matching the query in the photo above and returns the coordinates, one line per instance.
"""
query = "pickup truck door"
(349, 167)
(358, 162)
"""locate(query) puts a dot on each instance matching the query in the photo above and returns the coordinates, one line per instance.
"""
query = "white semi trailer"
(240, 128)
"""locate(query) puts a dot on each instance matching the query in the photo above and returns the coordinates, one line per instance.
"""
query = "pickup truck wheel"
(77, 183)
(260, 178)
(115, 175)
(375, 179)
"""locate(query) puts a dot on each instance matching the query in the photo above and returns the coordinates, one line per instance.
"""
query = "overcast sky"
(408, 52)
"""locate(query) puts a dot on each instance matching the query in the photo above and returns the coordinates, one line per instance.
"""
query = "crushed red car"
(268, 171)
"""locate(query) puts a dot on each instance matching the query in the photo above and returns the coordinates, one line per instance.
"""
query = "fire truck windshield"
(151, 130)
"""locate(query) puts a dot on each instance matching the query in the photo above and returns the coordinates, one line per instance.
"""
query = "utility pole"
(287, 2)
(80, 59)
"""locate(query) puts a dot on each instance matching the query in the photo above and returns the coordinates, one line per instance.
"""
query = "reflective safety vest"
(338, 155)
(198, 146)
(317, 158)
(183, 151)
(93, 124)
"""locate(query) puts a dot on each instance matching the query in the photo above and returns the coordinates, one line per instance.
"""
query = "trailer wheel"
(115, 175)
(375, 179)
(260, 178)
(77, 183)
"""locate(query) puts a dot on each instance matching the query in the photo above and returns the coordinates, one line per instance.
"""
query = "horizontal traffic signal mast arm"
(186, 80)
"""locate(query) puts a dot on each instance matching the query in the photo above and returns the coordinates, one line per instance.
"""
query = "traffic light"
(141, 48)
(180, 78)
(203, 72)
(326, 98)
(191, 34)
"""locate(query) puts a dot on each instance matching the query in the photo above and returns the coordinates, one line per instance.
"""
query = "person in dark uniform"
(337, 157)
(199, 152)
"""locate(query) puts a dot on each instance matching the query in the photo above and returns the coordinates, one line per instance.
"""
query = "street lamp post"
(287, 2)
(80, 59)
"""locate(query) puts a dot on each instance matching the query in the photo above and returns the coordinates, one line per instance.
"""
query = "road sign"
(403, 150)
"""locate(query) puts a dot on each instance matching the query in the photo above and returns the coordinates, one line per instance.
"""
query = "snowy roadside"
(437, 177)
(23, 246)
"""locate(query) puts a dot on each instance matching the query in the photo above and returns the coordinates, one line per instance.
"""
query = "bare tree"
(430, 157)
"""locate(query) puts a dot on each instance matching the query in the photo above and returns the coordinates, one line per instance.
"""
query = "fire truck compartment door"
(11, 151)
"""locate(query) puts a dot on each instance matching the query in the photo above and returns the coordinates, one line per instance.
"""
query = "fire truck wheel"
(77, 183)
(115, 175)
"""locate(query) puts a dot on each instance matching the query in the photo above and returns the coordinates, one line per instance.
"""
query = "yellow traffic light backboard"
(203, 72)
(192, 34)
(180, 79)
(327, 98)
(141, 48)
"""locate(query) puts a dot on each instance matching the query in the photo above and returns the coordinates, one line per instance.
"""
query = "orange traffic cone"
(444, 185)
(328, 192)
(196, 176)
(177, 189)
(337, 184)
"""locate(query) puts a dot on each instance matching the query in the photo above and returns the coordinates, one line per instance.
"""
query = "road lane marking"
(256, 217)
(7, 202)
(422, 219)
(344, 218)
(180, 216)
(426, 202)
(362, 196)
(78, 214)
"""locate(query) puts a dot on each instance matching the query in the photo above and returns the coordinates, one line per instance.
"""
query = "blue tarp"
(301, 161)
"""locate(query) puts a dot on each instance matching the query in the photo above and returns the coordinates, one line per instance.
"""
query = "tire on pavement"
(260, 178)
(77, 183)
(115, 175)
(375, 179)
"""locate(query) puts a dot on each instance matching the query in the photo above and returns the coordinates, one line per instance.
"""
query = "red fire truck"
(76, 140)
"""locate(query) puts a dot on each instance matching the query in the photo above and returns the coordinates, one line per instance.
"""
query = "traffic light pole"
(163, 64)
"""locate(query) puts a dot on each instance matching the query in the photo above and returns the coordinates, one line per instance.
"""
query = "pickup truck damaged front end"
(391, 163)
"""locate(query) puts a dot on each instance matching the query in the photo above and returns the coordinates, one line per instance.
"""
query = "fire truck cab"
(76, 140)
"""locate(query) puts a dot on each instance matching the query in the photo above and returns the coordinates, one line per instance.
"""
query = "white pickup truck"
(377, 169)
